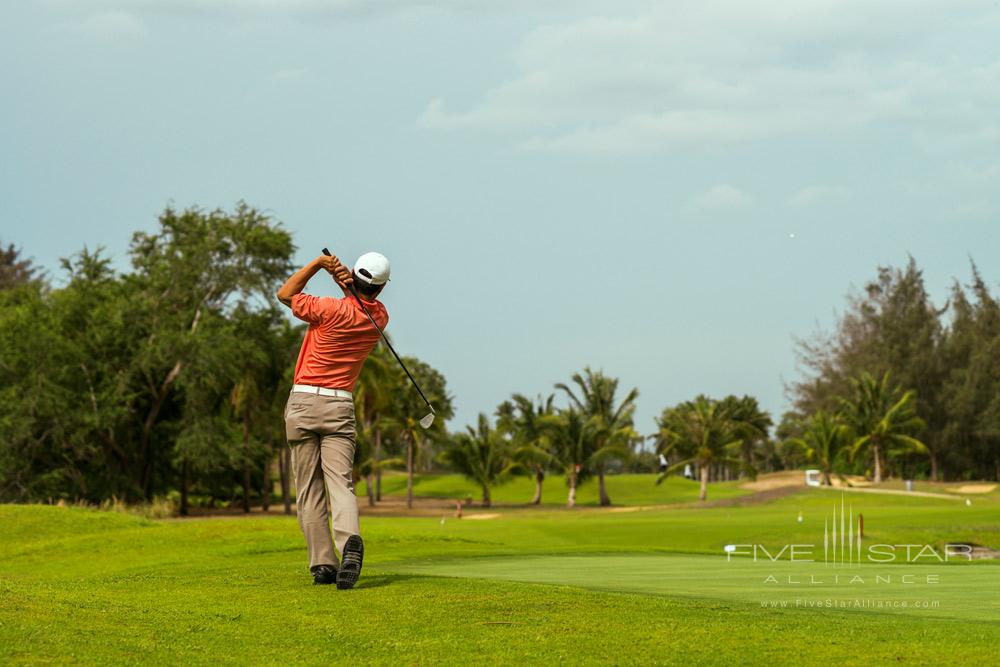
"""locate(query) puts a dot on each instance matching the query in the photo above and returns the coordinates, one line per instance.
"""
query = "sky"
(668, 191)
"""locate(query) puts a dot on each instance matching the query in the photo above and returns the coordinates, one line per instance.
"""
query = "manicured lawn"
(530, 586)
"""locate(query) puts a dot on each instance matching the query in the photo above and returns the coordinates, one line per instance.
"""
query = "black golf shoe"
(350, 563)
(323, 574)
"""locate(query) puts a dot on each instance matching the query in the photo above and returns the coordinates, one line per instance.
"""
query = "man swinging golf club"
(319, 416)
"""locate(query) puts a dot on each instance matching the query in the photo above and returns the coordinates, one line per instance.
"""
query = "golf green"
(945, 591)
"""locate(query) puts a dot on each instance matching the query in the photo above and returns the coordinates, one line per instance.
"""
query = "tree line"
(902, 386)
(170, 379)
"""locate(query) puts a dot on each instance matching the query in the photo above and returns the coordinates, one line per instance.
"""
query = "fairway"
(595, 586)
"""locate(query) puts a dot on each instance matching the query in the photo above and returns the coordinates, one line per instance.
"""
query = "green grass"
(539, 586)
(623, 489)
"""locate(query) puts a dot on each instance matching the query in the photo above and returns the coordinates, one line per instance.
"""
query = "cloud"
(813, 195)
(112, 26)
(250, 9)
(696, 74)
(289, 74)
(721, 198)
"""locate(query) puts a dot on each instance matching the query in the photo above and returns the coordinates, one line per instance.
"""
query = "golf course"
(646, 581)
(442, 333)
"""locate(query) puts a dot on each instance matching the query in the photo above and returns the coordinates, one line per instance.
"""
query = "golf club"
(429, 418)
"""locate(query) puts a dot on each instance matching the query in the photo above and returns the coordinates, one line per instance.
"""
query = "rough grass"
(547, 586)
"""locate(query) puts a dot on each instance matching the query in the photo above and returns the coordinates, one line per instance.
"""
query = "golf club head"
(428, 420)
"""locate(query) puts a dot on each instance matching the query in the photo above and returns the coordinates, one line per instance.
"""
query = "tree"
(380, 380)
(702, 432)
(971, 391)
(573, 438)
(402, 420)
(481, 454)
(613, 420)
(882, 418)
(824, 439)
(891, 326)
(15, 271)
(196, 265)
(522, 417)
(752, 425)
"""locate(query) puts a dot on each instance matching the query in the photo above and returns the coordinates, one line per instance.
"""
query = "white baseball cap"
(372, 268)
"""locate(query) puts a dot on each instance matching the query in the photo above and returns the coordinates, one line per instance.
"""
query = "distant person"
(688, 472)
(663, 463)
(319, 416)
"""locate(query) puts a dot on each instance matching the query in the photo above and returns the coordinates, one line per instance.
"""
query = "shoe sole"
(354, 553)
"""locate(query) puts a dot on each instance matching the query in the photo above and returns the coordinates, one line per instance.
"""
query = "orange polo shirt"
(339, 339)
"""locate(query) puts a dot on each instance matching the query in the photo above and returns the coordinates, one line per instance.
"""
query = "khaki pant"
(321, 433)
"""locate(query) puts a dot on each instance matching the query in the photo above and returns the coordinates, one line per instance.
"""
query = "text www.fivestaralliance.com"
(849, 603)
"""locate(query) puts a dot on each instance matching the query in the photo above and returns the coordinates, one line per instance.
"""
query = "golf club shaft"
(385, 338)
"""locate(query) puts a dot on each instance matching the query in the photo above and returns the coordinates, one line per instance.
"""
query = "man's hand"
(340, 273)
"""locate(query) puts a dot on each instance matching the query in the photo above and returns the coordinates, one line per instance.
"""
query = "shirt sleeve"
(311, 309)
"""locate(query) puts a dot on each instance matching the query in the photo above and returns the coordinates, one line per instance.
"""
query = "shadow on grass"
(379, 580)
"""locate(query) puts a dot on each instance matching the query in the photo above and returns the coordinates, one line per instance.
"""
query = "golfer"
(319, 416)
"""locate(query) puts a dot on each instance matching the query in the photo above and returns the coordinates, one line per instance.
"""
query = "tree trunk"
(265, 496)
(703, 493)
(371, 490)
(539, 478)
(246, 464)
(878, 464)
(285, 459)
(150, 421)
(602, 489)
(378, 468)
(486, 496)
(571, 500)
(934, 466)
(409, 472)
(185, 483)
(826, 477)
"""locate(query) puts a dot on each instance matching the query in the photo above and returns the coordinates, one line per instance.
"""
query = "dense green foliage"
(169, 379)
(945, 361)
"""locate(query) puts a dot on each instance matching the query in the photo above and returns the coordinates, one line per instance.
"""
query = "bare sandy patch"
(972, 488)
(776, 480)
(481, 517)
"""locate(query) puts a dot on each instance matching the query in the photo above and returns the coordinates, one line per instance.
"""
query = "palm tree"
(406, 408)
(883, 419)
(613, 421)
(823, 440)
(482, 455)
(703, 432)
(572, 437)
(522, 417)
(380, 380)
(752, 425)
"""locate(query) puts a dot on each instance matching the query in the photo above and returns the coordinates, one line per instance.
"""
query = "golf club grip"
(385, 338)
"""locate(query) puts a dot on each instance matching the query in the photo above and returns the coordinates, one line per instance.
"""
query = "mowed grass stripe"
(960, 591)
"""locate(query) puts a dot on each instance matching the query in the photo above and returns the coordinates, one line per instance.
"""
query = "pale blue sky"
(556, 184)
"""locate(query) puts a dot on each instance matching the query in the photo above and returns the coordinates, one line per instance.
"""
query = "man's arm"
(298, 281)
